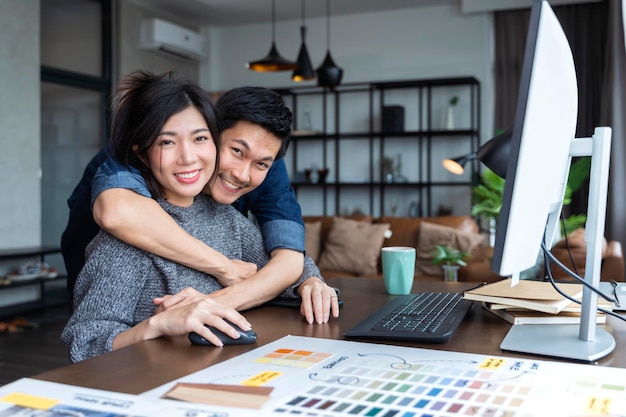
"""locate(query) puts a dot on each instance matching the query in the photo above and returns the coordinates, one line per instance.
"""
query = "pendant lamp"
(273, 61)
(328, 74)
(305, 69)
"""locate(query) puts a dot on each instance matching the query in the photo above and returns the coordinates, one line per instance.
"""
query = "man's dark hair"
(260, 106)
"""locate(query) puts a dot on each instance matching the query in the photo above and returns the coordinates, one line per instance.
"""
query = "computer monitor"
(542, 146)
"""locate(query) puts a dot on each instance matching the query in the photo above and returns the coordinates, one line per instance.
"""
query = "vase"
(451, 273)
(450, 118)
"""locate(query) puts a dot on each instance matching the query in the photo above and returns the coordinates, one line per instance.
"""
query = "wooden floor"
(35, 348)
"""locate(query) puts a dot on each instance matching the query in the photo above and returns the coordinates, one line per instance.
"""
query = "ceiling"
(236, 12)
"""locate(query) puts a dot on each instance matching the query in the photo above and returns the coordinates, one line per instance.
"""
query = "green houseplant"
(450, 259)
(488, 200)
(488, 196)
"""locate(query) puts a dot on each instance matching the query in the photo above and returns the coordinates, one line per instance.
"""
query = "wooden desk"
(149, 364)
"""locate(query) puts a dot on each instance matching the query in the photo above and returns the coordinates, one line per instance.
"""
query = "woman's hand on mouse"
(193, 318)
(182, 320)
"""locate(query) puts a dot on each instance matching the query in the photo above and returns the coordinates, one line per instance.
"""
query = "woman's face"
(182, 158)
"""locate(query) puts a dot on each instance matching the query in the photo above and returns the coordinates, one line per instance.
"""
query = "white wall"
(20, 208)
(130, 57)
(427, 42)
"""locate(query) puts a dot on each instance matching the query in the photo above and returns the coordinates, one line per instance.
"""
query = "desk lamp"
(494, 154)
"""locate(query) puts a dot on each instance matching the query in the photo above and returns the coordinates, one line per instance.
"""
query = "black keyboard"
(426, 317)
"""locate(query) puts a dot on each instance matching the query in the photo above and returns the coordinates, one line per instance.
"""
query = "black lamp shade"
(272, 62)
(305, 70)
(493, 153)
(329, 74)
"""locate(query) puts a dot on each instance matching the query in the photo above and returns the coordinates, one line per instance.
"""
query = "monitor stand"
(584, 342)
(558, 340)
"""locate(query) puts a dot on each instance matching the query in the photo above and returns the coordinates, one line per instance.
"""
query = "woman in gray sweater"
(168, 130)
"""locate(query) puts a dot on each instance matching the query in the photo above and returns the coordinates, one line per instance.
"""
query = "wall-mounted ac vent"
(157, 34)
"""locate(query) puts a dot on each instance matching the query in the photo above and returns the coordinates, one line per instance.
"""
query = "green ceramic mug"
(398, 269)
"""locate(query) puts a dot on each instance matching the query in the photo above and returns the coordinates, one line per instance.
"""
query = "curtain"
(510, 28)
(595, 34)
(613, 114)
(585, 26)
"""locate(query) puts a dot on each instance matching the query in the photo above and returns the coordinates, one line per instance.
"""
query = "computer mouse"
(245, 338)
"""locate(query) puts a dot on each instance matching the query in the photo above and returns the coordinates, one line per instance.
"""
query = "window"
(76, 59)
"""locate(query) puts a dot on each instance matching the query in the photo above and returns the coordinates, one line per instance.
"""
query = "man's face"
(247, 153)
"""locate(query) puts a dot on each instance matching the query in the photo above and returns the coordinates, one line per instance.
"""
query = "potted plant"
(488, 200)
(450, 260)
(488, 197)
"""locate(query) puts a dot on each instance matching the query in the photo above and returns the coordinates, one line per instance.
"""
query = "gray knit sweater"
(115, 288)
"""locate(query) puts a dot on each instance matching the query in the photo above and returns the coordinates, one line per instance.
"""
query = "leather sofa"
(405, 231)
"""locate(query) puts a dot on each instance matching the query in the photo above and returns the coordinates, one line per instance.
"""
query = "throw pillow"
(578, 248)
(431, 235)
(312, 244)
(353, 246)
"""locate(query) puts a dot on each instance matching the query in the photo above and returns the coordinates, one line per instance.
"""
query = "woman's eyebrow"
(172, 133)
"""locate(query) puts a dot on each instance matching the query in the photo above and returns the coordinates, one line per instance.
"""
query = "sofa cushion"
(432, 234)
(578, 249)
(312, 239)
(405, 230)
(353, 246)
(327, 223)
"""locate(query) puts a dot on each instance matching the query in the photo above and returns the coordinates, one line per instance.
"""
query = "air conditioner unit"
(157, 34)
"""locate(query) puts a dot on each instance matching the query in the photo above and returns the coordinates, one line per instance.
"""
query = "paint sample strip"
(293, 358)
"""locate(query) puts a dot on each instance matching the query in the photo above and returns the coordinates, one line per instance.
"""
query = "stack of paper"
(531, 302)
(525, 316)
(533, 295)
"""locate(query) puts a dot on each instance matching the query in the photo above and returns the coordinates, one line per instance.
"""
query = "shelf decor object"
(273, 61)
(305, 69)
(450, 112)
(328, 74)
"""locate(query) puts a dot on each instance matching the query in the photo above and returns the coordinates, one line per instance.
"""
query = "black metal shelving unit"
(46, 298)
(420, 135)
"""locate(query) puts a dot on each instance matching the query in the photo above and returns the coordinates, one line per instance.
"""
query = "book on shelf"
(525, 316)
(532, 295)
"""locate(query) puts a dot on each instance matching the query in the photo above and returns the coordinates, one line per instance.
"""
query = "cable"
(549, 256)
(567, 247)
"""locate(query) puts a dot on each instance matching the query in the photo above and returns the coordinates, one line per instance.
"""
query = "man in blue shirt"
(252, 183)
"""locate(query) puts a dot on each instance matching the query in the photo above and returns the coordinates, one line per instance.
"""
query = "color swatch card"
(34, 398)
(28, 397)
(323, 377)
